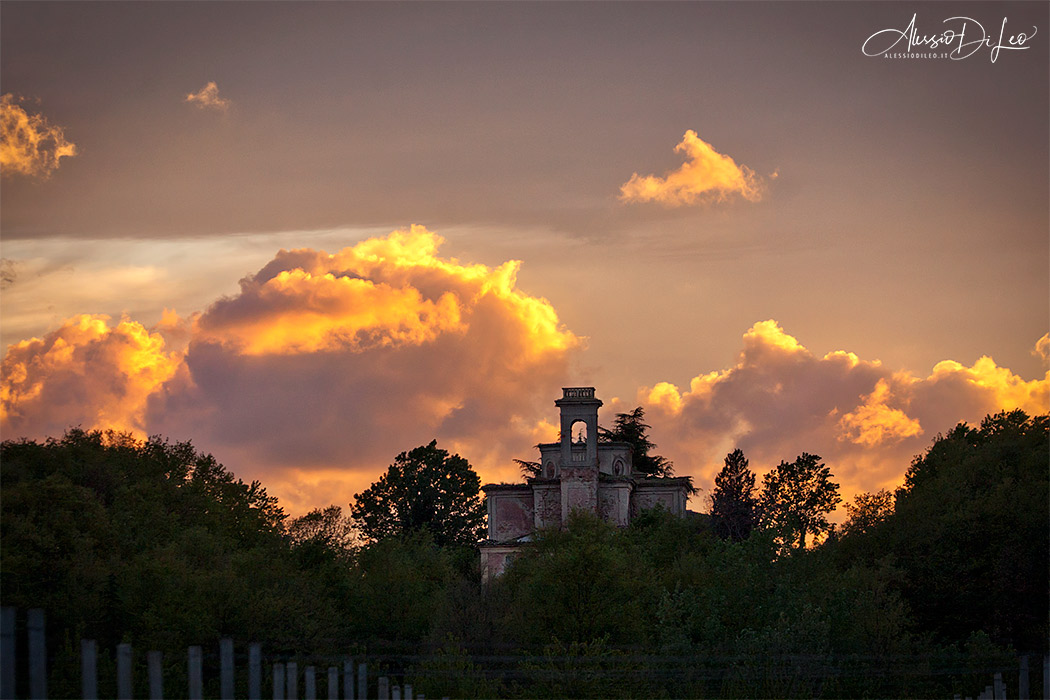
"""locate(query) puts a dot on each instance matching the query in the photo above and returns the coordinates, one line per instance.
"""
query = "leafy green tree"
(734, 508)
(579, 584)
(399, 584)
(970, 532)
(866, 512)
(425, 489)
(150, 542)
(327, 527)
(796, 499)
(632, 429)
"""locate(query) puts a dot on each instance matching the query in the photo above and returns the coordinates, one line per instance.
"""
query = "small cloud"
(208, 98)
(707, 175)
(1042, 349)
(29, 143)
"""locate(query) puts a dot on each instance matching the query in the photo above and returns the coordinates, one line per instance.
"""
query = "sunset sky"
(309, 236)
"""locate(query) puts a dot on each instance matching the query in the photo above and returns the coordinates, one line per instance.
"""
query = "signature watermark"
(962, 38)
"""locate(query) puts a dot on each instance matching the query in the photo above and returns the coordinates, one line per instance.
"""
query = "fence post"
(255, 672)
(362, 679)
(1022, 679)
(1000, 689)
(155, 667)
(7, 652)
(309, 683)
(278, 681)
(124, 691)
(333, 683)
(384, 688)
(226, 668)
(88, 670)
(395, 693)
(348, 679)
(7, 617)
(291, 676)
(37, 654)
(196, 680)
(408, 693)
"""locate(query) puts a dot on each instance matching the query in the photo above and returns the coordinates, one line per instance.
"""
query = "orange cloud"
(385, 292)
(208, 98)
(707, 175)
(84, 373)
(341, 361)
(866, 421)
(319, 371)
(875, 423)
(29, 143)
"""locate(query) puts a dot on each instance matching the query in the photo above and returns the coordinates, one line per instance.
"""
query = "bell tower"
(578, 405)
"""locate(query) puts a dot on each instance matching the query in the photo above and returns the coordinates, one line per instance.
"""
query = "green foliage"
(529, 470)
(734, 507)
(797, 498)
(425, 489)
(632, 429)
(867, 512)
(579, 584)
(325, 529)
(970, 532)
(398, 588)
(120, 537)
(450, 672)
(923, 595)
(579, 670)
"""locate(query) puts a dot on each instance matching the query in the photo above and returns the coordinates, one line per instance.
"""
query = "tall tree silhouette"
(424, 489)
(734, 508)
(797, 497)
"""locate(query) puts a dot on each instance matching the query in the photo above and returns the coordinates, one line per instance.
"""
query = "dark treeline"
(921, 593)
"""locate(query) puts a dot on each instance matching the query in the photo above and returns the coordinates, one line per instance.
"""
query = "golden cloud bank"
(323, 366)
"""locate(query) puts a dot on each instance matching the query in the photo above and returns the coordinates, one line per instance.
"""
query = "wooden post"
(362, 680)
(155, 665)
(7, 652)
(348, 679)
(278, 682)
(255, 672)
(384, 688)
(291, 677)
(310, 690)
(195, 685)
(88, 670)
(226, 668)
(124, 691)
(333, 683)
(37, 654)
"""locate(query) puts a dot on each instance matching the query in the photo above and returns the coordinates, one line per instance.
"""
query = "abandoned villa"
(575, 474)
